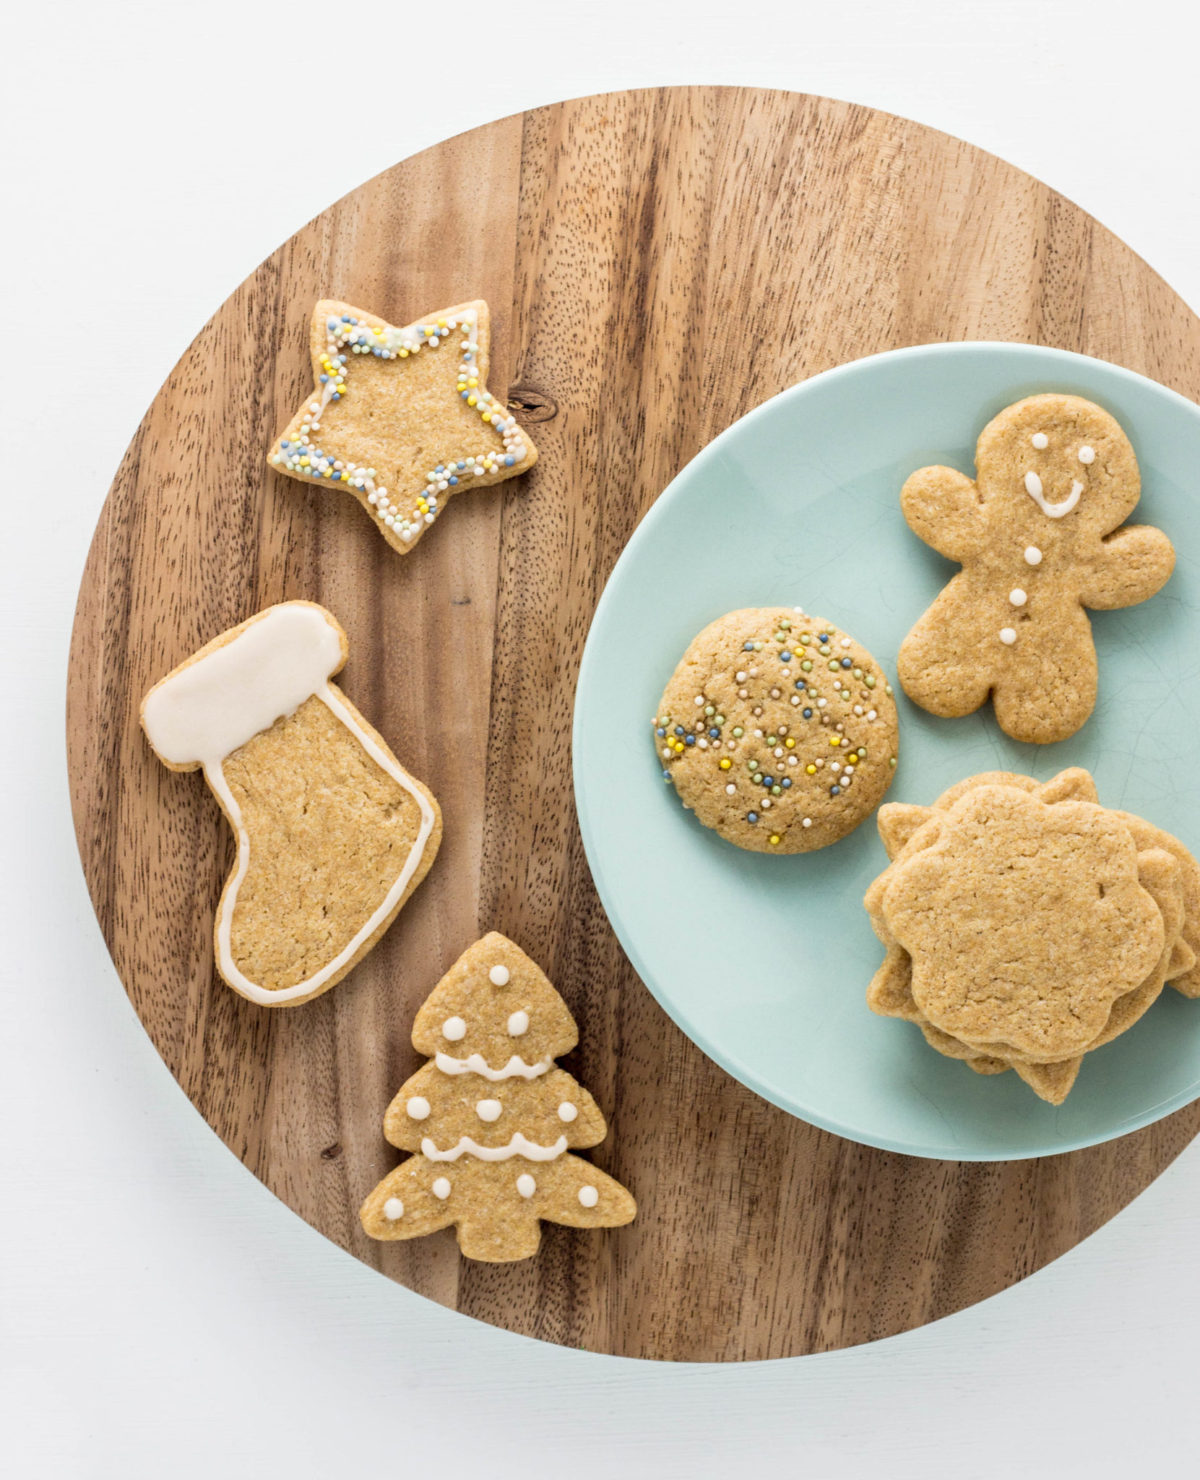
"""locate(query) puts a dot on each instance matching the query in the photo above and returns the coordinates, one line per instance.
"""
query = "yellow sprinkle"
(835, 739)
(304, 462)
(775, 837)
(441, 323)
(470, 400)
(404, 354)
(790, 743)
(812, 770)
(726, 763)
(472, 383)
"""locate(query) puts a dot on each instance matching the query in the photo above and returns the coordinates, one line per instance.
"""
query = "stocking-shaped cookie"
(332, 833)
(492, 1117)
(1034, 533)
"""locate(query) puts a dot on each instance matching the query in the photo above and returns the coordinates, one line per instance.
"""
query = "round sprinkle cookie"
(778, 730)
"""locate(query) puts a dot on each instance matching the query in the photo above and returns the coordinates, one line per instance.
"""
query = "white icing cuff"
(207, 709)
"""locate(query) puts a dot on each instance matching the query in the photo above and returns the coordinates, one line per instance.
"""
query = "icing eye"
(1087, 455)
(498, 976)
(454, 1028)
(1040, 441)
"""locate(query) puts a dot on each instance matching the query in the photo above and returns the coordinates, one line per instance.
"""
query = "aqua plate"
(764, 961)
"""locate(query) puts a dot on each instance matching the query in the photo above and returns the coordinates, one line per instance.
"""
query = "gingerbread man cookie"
(1038, 536)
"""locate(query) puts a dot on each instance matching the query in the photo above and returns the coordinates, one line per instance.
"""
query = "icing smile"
(1033, 487)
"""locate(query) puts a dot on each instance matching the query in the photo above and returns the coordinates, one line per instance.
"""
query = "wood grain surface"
(657, 263)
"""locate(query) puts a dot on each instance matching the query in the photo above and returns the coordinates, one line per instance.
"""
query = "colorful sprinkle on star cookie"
(777, 730)
(402, 418)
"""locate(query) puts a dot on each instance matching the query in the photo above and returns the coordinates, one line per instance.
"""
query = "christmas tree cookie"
(491, 1117)
(333, 834)
(402, 418)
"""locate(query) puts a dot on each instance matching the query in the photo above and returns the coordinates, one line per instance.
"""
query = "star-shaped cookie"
(402, 418)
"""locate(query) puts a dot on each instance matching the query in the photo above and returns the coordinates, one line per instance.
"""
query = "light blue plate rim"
(1070, 361)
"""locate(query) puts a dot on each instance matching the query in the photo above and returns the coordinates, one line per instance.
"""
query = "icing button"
(588, 1196)
(393, 1209)
(499, 976)
(526, 1186)
(1008, 636)
(454, 1028)
(441, 1188)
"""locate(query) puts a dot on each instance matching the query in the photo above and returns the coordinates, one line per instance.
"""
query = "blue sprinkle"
(691, 740)
(441, 468)
(824, 637)
(847, 663)
(715, 733)
(786, 782)
(337, 395)
(346, 319)
(461, 466)
(679, 729)
(660, 730)
(751, 816)
(508, 461)
(666, 775)
(835, 791)
(322, 378)
(800, 684)
(785, 657)
(452, 480)
(284, 443)
(768, 781)
(747, 647)
(807, 713)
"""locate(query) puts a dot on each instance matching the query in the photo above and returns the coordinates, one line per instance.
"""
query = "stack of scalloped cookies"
(1027, 925)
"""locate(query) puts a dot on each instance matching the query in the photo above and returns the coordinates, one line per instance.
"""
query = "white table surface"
(161, 1314)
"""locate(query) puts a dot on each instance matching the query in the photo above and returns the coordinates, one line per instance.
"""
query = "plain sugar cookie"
(778, 730)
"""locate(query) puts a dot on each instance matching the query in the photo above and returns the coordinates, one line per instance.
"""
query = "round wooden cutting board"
(657, 263)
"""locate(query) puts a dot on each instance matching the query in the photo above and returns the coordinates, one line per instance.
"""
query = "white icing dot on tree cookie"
(498, 976)
(1008, 635)
(454, 1028)
(418, 1107)
(393, 1209)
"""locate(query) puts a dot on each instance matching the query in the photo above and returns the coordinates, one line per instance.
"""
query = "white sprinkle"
(1017, 596)
(393, 1209)
(1033, 556)
(807, 822)
(1087, 455)
(730, 790)
(845, 642)
(1008, 636)
(1040, 440)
